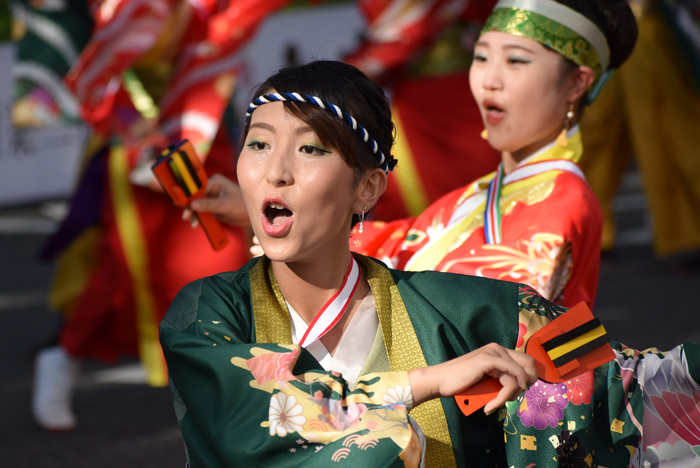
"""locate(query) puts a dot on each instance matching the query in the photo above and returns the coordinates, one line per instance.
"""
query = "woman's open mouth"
(494, 113)
(276, 217)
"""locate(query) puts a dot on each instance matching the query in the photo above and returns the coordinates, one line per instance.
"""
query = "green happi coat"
(245, 396)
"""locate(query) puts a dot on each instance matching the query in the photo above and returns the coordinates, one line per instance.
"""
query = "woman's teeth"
(277, 214)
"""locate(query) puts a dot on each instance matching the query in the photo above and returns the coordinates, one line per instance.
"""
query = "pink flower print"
(355, 412)
(580, 388)
(285, 364)
(269, 366)
(543, 405)
(318, 395)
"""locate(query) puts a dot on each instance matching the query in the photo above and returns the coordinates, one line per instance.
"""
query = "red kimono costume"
(115, 283)
(550, 230)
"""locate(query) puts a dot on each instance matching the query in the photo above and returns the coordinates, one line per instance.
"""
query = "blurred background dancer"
(152, 74)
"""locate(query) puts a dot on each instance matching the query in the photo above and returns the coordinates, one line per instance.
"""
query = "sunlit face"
(521, 93)
(300, 195)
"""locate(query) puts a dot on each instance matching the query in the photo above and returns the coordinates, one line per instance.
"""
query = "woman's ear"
(580, 80)
(371, 187)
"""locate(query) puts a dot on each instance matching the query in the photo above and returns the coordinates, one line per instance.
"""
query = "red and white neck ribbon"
(331, 313)
(492, 218)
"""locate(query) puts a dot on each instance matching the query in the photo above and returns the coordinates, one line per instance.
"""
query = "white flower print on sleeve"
(285, 415)
(400, 395)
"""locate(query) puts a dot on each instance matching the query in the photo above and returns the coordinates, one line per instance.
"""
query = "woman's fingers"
(215, 184)
(505, 365)
(216, 206)
(224, 200)
(256, 249)
(189, 216)
(520, 373)
(528, 364)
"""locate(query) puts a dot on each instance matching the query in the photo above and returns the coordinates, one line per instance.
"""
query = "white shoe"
(55, 374)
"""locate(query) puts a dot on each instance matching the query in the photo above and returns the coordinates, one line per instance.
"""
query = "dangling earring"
(362, 219)
(561, 139)
(485, 134)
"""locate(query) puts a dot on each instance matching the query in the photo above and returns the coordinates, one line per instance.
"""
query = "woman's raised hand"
(515, 371)
(223, 199)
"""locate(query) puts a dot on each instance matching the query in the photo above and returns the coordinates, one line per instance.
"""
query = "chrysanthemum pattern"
(580, 389)
(400, 395)
(543, 405)
(286, 416)
(544, 262)
(318, 408)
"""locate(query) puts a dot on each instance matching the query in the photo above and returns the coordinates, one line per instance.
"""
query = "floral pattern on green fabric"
(543, 405)
(547, 32)
(571, 452)
(535, 313)
(580, 389)
(317, 407)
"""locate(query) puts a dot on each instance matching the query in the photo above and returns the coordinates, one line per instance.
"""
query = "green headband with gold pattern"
(555, 26)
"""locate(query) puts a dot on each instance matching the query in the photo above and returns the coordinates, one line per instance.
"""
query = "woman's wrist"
(423, 385)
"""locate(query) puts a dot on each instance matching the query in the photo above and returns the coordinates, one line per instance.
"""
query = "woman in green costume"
(313, 356)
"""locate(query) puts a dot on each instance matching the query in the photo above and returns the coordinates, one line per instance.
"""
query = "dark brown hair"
(349, 89)
(616, 20)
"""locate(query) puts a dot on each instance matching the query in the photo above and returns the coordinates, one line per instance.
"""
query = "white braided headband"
(296, 97)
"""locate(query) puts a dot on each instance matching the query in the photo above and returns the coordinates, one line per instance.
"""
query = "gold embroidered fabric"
(270, 314)
(547, 32)
(405, 354)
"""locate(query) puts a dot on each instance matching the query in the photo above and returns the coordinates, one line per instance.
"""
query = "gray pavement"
(642, 301)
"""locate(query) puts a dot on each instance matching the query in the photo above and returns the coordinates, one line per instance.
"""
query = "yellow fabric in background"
(73, 270)
(649, 110)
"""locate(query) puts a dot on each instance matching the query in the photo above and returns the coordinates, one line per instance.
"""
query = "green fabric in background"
(49, 42)
(5, 21)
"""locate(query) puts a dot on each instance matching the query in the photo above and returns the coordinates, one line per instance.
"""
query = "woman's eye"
(257, 145)
(479, 58)
(517, 60)
(313, 150)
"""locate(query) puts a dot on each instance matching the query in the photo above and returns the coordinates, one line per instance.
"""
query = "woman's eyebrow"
(481, 44)
(302, 130)
(263, 126)
(515, 46)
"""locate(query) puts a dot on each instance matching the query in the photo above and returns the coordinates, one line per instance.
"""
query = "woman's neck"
(307, 286)
(510, 159)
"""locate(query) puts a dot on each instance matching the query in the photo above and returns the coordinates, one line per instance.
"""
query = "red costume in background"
(172, 64)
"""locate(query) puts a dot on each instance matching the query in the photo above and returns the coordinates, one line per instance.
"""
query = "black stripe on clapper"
(190, 168)
(178, 177)
(570, 335)
(581, 350)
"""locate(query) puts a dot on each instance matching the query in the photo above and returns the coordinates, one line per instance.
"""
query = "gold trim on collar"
(270, 314)
(405, 354)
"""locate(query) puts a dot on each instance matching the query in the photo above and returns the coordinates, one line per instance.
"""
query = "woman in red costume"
(535, 220)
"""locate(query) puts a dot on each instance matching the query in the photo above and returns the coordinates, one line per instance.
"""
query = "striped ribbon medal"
(492, 223)
(331, 313)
